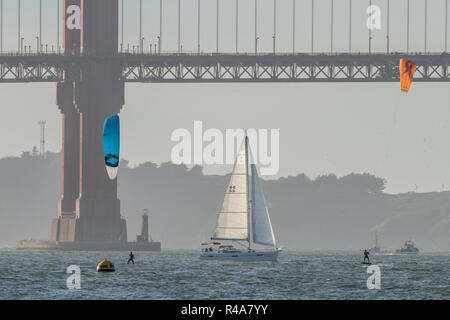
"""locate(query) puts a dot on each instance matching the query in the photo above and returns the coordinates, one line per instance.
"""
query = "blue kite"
(111, 145)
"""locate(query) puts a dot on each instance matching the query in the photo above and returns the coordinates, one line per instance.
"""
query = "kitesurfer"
(131, 257)
(366, 256)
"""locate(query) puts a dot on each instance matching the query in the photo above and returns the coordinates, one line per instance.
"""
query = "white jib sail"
(232, 223)
(261, 225)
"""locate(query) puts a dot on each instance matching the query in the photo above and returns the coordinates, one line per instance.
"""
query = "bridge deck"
(230, 67)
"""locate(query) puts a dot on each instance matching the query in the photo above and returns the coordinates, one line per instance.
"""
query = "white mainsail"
(232, 223)
(261, 225)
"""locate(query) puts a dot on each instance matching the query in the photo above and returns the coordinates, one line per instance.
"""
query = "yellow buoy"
(105, 266)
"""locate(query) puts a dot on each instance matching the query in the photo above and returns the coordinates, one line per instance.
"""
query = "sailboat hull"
(241, 256)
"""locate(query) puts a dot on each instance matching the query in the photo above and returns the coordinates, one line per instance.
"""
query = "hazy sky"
(324, 128)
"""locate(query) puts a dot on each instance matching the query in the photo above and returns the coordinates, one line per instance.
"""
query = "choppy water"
(182, 275)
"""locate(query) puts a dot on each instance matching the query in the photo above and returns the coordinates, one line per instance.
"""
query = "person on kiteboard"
(131, 259)
(366, 256)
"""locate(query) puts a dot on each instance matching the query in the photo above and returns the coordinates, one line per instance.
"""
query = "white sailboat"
(243, 217)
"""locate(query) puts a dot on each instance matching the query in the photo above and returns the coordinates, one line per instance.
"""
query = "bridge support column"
(99, 95)
(89, 210)
(91, 90)
(63, 227)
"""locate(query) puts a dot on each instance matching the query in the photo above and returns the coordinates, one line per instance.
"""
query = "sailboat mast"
(248, 198)
(376, 238)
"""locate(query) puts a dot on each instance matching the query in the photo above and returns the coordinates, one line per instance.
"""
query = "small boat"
(408, 248)
(376, 248)
(243, 218)
(105, 266)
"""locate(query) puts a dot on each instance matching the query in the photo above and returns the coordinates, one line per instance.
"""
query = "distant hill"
(325, 213)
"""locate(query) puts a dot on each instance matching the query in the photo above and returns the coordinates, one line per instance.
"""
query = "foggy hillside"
(325, 213)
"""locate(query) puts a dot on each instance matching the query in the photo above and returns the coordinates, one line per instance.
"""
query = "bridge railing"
(228, 54)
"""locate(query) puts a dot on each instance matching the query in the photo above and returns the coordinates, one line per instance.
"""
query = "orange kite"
(407, 69)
